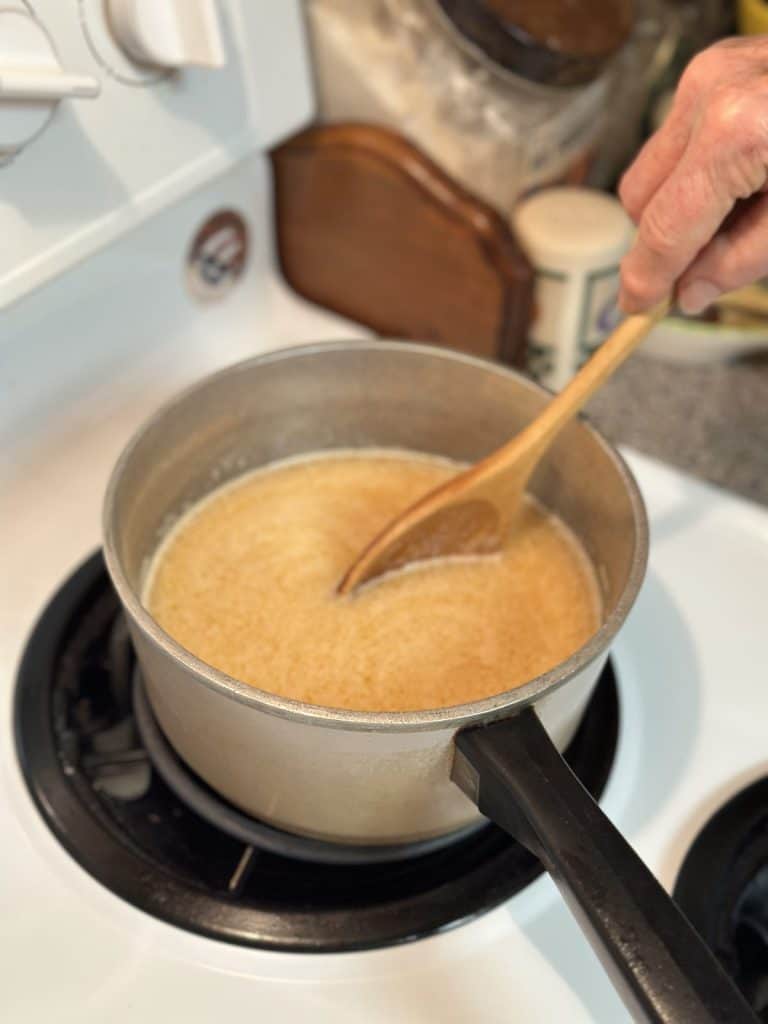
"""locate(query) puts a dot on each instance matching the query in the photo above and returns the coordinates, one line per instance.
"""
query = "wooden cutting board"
(369, 227)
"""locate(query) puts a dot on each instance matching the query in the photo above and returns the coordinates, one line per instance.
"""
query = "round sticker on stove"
(217, 255)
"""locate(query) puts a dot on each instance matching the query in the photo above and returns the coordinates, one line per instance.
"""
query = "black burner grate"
(95, 786)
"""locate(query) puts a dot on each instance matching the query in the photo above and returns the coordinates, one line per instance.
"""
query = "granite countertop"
(711, 421)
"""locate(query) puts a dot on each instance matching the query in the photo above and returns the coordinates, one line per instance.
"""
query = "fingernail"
(696, 296)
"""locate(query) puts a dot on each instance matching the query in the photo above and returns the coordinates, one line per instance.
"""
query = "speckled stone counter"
(711, 421)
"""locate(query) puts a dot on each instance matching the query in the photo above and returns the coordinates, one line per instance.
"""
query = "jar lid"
(572, 228)
(552, 42)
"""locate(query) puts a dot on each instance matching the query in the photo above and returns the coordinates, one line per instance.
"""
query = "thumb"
(736, 256)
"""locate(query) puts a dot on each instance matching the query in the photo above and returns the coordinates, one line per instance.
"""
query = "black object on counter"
(723, 888)
(552, 42)
(97, 789)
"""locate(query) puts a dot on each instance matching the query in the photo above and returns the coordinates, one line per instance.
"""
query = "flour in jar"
(246, 581)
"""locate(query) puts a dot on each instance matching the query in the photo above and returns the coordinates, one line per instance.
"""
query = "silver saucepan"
(388, 778)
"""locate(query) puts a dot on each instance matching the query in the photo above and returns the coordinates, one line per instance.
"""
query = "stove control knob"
(32, 81)
(168, 33)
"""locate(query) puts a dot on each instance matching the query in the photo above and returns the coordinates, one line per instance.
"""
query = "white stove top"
(689, 663)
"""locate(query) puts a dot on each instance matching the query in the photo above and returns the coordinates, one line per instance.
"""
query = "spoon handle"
(537, 437)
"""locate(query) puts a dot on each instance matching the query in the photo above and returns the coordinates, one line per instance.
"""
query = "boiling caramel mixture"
(246, 581)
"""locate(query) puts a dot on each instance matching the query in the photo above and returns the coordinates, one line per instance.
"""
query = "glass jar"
(409, 64)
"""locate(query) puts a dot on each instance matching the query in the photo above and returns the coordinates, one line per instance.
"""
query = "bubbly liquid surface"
(246, 581)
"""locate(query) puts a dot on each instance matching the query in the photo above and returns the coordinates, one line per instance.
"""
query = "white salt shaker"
(575, 238)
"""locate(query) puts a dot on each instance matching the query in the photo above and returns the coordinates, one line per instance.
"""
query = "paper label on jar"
(542, 353)
(600, 310)
(573, 313)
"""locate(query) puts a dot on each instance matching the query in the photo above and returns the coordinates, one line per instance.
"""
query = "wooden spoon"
(471, 513)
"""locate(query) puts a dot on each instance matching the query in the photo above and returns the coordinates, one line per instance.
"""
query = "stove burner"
(723, 888)
(91, 777)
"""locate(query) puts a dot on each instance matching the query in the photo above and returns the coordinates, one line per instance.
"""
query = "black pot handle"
(660, 966)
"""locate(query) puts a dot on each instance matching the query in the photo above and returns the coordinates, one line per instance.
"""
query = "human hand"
(688, 188)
